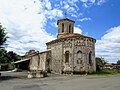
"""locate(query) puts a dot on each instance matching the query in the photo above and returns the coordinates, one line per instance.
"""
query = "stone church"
(70, 52)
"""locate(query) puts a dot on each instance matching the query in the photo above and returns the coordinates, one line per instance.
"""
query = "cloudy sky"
(31, 23)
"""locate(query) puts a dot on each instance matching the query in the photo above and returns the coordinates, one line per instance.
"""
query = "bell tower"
(65, 26)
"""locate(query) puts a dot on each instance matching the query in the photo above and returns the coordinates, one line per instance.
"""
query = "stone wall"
(57, 57)
(38, 61)
(34, 62)
(68, 47)
(79, 55)
(42, 61)
(38, 64)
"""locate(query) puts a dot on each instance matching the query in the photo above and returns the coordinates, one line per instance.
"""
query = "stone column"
(30, 75)
(38, 74)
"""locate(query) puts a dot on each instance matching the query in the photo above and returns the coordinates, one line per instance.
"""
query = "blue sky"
(32, 23)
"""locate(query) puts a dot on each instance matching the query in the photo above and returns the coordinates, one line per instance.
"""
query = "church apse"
(69, 53)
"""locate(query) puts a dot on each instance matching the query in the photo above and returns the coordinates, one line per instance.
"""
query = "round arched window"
(67, 56)
(90, 58)
(79, 57)
(62, 27)
(69, 28)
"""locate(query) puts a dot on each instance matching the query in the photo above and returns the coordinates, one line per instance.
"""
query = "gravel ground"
(18, 81)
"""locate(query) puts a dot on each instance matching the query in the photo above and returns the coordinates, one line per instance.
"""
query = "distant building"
(108, 66)
(112, 67)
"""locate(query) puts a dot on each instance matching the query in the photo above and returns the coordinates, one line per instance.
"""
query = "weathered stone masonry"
(70, 52)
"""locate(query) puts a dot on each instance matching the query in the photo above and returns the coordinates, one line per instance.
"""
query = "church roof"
(64, 20)
(69, 36)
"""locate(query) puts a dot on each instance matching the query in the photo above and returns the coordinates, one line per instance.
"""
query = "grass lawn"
(106, 72)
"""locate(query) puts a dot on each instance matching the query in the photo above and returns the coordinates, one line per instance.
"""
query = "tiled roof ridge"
(70, 36)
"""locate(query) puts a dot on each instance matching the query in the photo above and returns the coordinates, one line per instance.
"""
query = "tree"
(4, 56)
(118, 62)
(8, 57)
(3, 36)
(100, 62)
(13, 56)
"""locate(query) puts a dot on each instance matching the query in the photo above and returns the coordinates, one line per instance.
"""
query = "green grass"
(106, 73)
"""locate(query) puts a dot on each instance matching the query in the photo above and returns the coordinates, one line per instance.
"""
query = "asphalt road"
(18, 81)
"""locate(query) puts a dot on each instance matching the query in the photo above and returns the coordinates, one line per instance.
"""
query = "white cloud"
(77, 30)
(71, 9)
(89, 3)
(78, 25)
(54, 24)
(54, 13)
(84, 1)
(25, 22)
(100, 2)
(48, 4)
(93, 1)
(66, 6)
(86, 34)
(109, 45)
(73, 15)
(69, 6)
(85, 19)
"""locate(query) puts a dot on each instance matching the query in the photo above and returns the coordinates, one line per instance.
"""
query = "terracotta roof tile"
(65, 19)
(69, 36)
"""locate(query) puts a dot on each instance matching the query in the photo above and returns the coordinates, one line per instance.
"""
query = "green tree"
(4, 56)
(8, 57)
(118, 62)
(100, 62)
(3, 52)
(3, 36)
(13, 56)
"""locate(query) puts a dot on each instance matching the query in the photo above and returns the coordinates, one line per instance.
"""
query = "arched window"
(48, 65)
(90, 58)
(79, 57)
(72, 29)
(69, 28)
(47, 62)
(62, 27)
(67, 56)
